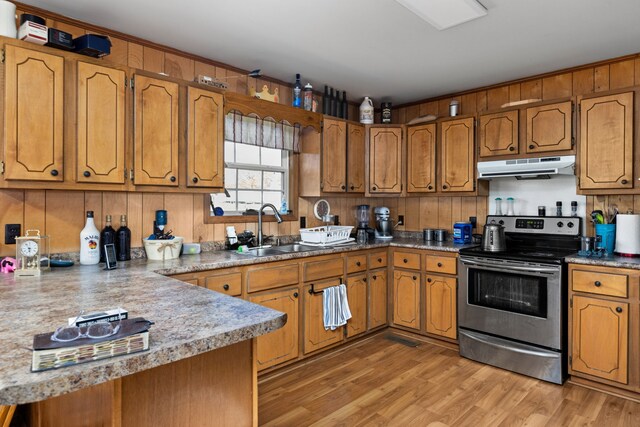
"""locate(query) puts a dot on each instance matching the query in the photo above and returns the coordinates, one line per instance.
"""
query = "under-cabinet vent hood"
(532, 168)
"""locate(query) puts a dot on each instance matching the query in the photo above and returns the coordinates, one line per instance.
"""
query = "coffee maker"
(384, 226)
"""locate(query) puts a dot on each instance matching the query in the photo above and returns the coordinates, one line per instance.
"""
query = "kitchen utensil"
(493, 238)
(597, 217)
(440, 235)
(627, 235)
(462, 232)
(427, 234)
(612, 211)
(362, 216)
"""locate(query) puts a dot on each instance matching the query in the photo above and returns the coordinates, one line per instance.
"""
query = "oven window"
(509, 292)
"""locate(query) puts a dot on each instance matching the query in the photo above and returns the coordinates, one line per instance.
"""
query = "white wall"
(529, 194)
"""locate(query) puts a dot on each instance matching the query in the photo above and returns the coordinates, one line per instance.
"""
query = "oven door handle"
(513, 346)
(528, 268)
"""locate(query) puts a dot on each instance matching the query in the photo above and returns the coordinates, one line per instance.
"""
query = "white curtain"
(266, 132)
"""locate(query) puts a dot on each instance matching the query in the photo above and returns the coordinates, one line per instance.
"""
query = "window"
(253, 176)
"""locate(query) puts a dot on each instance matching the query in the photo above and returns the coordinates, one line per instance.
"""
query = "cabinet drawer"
(316, 270)
(356, 263)
(442, 264)
(406, 260)
(272, 277)
(614, 285)
(378, 260)
(230, 283)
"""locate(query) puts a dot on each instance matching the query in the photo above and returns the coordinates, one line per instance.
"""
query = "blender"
(362, 217)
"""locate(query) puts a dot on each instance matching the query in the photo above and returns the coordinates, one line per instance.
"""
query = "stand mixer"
(384, 225)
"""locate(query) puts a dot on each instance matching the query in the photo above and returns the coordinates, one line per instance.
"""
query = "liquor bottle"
(308, 97)
(345, 106)
(297, 92)
(89, 242)
(107, 236)
(338, 105)
(326, 101)
(333, 103)
(123, 237)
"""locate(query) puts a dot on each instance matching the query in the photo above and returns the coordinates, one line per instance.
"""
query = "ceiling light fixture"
(444, 14)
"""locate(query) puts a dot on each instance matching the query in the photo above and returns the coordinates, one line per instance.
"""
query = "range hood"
(532, 168)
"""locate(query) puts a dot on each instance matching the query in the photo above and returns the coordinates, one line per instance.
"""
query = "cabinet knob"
(375, 277)
(619, 309)
(364, 279)
(405, 260)
(54, 172)
(379, 259)
(430, 187)
(439, 264)
(172, 179)
(415, 278)
(295, 295)
(343, 187)
(357, 263)
(444, 187)
(194, 179)
(512, 148)
(531, 147)
(225, 287)
(373, 188)
(597, 283)
(429, 280)
(624, 181)
(353, 188)
(87, 174)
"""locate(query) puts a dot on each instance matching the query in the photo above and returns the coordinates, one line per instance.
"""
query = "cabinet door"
(355, 158)
(377, 298)
(357, 296)
(34, 111)
(315, 336)
(421, 159)
(101, 124)
(600, 340)
(499, 134)
(205, 140)
(441, 306)
(606, 142)
(549, 128)
(334, 156)
(406, 299)
(282, 344)
(457, 158)
(156, 132)
(385, 160)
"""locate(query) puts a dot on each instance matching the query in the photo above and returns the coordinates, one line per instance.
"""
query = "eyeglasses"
(100, 329)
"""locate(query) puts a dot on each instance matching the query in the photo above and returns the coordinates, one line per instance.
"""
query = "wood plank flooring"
(381, 382)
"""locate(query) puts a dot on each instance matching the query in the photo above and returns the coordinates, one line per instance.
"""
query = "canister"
(462, 232)
(427, 234)
(440, 235)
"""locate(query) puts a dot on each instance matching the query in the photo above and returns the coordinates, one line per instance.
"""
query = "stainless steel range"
(512, 305)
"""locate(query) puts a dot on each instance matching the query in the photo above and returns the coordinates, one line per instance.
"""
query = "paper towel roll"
(8, 19)
(628, 234)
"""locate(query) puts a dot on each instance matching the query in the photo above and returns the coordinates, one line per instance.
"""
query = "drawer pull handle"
(405, 260)
(357, 263)
(439, 264)
(352, 187)
(379, 259)
(225, 287)
(295, 295)
(619, 309)
(597, 283)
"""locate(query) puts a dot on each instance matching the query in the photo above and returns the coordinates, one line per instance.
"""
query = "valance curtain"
(266, 132)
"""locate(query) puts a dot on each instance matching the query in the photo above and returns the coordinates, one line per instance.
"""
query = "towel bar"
(312, 291)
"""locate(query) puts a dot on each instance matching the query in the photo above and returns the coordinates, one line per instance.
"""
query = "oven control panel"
(569, 226)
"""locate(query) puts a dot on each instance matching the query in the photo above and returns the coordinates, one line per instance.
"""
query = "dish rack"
(326, 234)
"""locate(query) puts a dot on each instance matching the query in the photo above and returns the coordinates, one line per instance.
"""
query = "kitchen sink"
(296, 247)
(263, 252)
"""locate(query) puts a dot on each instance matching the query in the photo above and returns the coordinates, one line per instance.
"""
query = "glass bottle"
(498, 206)
(297, 93)
(123, 237)
(107, 236)
(345, 106)
(326, 101)
(308, 97)
(510, 210)
(574, 208)
(89, 242)
(558, 208)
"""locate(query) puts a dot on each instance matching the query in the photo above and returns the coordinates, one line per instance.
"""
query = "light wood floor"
(381, 382)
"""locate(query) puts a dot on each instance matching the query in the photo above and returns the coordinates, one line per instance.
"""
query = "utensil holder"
(607, 233)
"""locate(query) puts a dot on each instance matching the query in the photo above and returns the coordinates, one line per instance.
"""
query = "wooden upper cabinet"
(205, 138)
(606, 142)
(600, 340)
(385, 160)
(441, 306)
(156, 132)
(101, 124)
(549, 128)
(499, 134)
(34, 115)
(421, 159)
(334, 156)
(355, 158)
(457, 161)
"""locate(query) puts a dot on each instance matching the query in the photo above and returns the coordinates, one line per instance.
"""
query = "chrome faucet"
(277, 215)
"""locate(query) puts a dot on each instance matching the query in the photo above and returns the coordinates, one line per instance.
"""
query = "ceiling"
(376, 47)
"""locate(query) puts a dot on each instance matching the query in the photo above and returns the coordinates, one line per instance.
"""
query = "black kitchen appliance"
(512, 304)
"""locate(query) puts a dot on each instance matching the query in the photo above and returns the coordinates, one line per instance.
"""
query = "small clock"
(32, 254)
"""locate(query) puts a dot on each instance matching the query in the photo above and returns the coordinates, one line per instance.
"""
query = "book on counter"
(132, 337)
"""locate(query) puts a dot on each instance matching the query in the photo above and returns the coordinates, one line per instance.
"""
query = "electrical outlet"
(474, 221)
(400, 219)
(303, 222)
(11, 231)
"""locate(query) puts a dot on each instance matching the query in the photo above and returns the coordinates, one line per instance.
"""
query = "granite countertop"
(608, 261)
(189, 320)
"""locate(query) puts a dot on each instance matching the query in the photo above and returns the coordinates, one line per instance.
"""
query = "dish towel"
(335, 307)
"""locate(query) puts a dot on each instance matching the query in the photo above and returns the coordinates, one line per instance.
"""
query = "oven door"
(512, 299)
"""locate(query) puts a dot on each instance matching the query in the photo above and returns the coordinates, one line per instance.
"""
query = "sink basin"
(263, 252)
(296, 247)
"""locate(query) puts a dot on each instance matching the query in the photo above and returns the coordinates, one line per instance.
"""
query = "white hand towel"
(327, 309)
(344, 303)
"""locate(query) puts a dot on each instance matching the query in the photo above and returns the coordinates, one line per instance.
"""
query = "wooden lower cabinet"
(315, 335)
(406, 298)
(357, 296)
(280, 345)
(377, 287)
(441, 306)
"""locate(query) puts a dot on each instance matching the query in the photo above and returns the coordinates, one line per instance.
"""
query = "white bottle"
(366, 111)
(89, 242)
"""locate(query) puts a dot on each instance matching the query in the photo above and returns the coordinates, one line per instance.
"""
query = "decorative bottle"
(345, 106)
(107, 236)
(89, 242)
(308, 97)
(326, 101)
(123, 237)
(297, 92)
